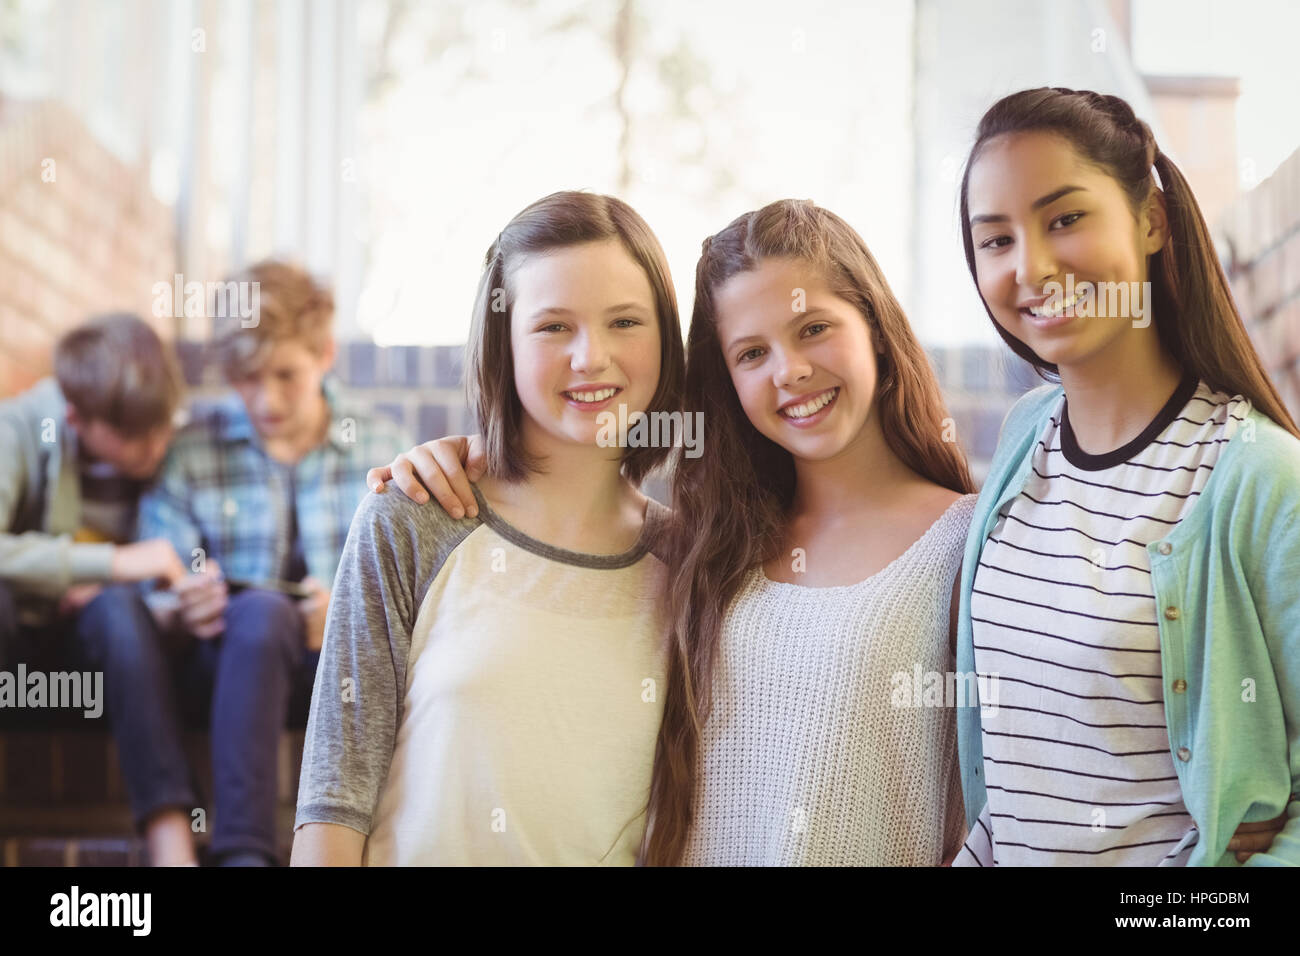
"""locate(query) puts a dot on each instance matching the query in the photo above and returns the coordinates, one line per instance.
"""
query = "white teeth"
(600, 396)
(812, 407)
(1042, 311)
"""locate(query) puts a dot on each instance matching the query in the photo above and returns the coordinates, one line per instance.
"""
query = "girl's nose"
(791, 368)
(1034, 263)
(590, 354)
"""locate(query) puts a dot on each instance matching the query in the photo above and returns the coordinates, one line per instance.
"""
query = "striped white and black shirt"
(1077, 758)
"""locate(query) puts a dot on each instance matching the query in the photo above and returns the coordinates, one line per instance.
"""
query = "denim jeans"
(245, 680)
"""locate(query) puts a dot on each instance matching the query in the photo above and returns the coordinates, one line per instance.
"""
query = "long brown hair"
(1195, 318)
(561, 219)
(730, 503)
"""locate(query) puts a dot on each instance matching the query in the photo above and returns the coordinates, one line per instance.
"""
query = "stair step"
(63, 801)
(61, 851)
(80, 767)
(98, 850)
(67, 821)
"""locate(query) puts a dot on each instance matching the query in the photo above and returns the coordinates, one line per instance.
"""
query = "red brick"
(1289, 387)
(13, 379)
(1242, 295)
(1288, 321)
(93, 238)
(1291, 265)
(28, 200)
(1266, 281)
(1259, 337)
(13, 231)
(1262, 217)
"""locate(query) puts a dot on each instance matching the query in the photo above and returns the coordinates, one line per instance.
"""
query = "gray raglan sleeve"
(393, 551)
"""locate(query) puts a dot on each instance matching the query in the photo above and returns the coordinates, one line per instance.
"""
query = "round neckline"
(564, 555)
(1079, 458)
(762, 572)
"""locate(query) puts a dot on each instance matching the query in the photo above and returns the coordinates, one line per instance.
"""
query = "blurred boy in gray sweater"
(76, 450)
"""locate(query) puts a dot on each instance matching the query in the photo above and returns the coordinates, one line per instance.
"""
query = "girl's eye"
(817, 325)
(552, 327)
(630, 323)
(748, 354)
(1069, 219)
(995, 242)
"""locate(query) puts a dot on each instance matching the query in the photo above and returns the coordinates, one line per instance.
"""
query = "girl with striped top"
(1128, 592)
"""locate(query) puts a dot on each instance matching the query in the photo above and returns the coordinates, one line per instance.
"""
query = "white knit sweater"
(807, 757)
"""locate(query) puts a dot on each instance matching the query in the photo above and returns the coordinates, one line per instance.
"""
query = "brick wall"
(1198, 116)
(80, 233)
(1261, 238)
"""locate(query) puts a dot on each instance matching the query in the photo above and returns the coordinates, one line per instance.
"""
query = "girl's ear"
(1155, 222)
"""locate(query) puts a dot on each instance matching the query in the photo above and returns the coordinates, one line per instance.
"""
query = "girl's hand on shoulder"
(444, 468)
(1253, 838)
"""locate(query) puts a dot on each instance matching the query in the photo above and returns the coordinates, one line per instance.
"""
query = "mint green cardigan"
(1231, 569)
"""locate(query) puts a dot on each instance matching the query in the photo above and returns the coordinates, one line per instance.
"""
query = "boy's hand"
(1256, 837)
(203, 601)
(150, 560)
(444, 467)
(313, 610)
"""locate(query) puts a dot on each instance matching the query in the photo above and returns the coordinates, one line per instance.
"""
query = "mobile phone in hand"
(292, 588)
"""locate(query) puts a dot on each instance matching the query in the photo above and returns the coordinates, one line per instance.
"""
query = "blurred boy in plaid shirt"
(256, 495)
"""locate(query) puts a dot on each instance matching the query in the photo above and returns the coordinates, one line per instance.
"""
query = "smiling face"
(584, 336)
(1039, 215)
(806, 380)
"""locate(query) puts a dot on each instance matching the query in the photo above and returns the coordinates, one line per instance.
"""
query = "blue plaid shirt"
(218, 490)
